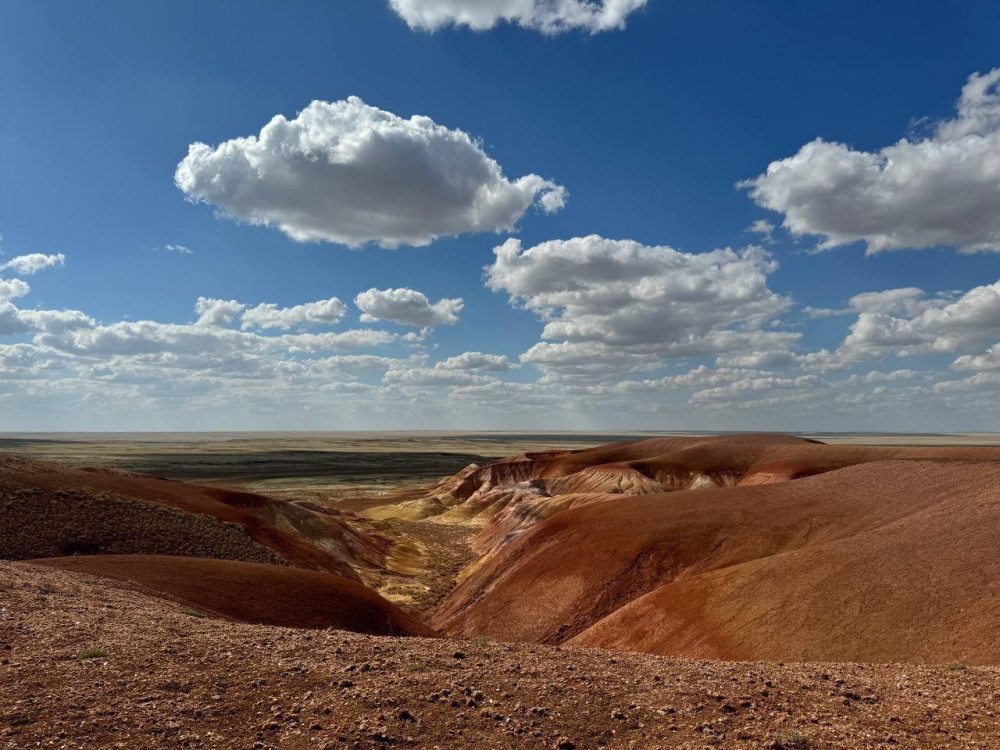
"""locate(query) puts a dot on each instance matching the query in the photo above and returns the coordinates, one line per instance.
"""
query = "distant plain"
(348, 469)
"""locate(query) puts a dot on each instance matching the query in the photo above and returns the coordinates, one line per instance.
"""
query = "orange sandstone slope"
(47, 510)
(510, 496)
(879, 554)
(254, 593)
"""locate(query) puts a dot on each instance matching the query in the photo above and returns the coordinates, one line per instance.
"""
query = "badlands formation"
(757, 591)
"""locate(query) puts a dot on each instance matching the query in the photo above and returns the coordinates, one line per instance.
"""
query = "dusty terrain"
(788, 593)
(166, 679)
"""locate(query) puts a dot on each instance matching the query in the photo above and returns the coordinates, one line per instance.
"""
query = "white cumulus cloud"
(349, 173)
(989, 360)
(33, 263)
(476, 361)
(908, 322)
(943, 190)
(407, 307)
(221, 313)
(269, 315)
(14, 320)
(217, 313)
(548, 16)
(12, 289)
(618, 305)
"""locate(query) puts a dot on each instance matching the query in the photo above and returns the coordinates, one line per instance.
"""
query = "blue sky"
(637, 126)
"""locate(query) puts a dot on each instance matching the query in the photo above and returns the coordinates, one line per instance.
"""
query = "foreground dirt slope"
(884, 561)
(169, 680)
(254, 593)
(48, 510)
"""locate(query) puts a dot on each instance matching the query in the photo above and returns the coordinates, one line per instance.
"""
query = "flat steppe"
(337, 466)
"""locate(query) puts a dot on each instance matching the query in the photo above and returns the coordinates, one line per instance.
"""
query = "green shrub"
(91, 653)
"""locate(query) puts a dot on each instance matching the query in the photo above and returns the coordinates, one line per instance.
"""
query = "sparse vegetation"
(192, 612)
(480, 642)
(91, 653)
(789, 740)
(417, 668)
(958, 666)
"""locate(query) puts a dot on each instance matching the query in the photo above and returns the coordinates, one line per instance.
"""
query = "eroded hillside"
(736, 547)
(467, 613)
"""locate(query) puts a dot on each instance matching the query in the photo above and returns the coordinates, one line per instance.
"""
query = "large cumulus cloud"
(908, 322)
(349, 173)
(619, 305)
(943, 190)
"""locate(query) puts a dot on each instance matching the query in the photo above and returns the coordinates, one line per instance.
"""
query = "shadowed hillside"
(254, 593)
(51, 510)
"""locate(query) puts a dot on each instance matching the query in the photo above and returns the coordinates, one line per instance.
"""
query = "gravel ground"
(157, 677)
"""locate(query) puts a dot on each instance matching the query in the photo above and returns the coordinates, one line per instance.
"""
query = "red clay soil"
(301, 536)
(886, 561)
(156, 678)
(254, 593)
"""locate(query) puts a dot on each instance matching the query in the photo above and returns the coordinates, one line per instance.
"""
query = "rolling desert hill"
(872, 554)
(223, 553)
(666, 464)
(253, 592)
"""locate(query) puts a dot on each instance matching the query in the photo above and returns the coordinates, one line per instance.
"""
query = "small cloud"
(12, 289)
(827, 312)
(179, 249)
(764, 228)
(217, 313)
(33, 263)
(407, 307)
(269, 315)
(476, 361)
